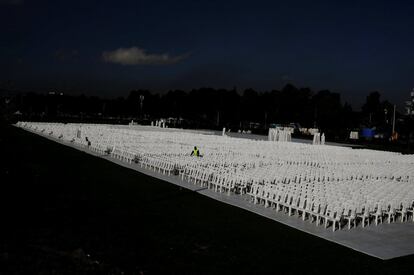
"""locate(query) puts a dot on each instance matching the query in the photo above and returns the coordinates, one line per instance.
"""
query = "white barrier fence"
(279, 135)
(318, 139)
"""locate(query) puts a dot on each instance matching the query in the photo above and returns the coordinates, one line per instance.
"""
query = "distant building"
(409, 104)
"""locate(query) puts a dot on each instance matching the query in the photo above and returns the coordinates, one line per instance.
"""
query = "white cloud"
(138, 56)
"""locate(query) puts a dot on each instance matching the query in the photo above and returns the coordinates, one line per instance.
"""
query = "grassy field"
(64, 211)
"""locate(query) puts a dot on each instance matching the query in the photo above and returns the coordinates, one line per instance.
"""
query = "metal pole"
(393, 121)
(141, 105)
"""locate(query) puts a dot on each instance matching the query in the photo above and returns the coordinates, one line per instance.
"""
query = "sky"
(107, 48)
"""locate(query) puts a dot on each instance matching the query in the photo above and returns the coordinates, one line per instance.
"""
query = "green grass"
(58, 204)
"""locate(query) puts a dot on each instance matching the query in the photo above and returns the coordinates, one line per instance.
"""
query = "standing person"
(195, 152)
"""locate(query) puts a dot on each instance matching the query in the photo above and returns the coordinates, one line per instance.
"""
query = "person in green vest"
(195, 152)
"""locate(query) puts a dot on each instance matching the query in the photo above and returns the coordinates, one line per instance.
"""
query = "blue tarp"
(368, 132)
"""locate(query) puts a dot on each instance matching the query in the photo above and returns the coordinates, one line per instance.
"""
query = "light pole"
(393, 121)
(141, 104)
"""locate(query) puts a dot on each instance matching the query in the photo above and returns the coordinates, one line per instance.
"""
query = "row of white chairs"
(326, 184)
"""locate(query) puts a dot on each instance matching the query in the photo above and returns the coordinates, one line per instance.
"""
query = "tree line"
(213, 109)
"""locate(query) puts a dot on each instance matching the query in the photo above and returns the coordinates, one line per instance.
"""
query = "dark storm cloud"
(65, 54)
(11, 2)
(138, 56)
(338, 45)
(286, 78)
